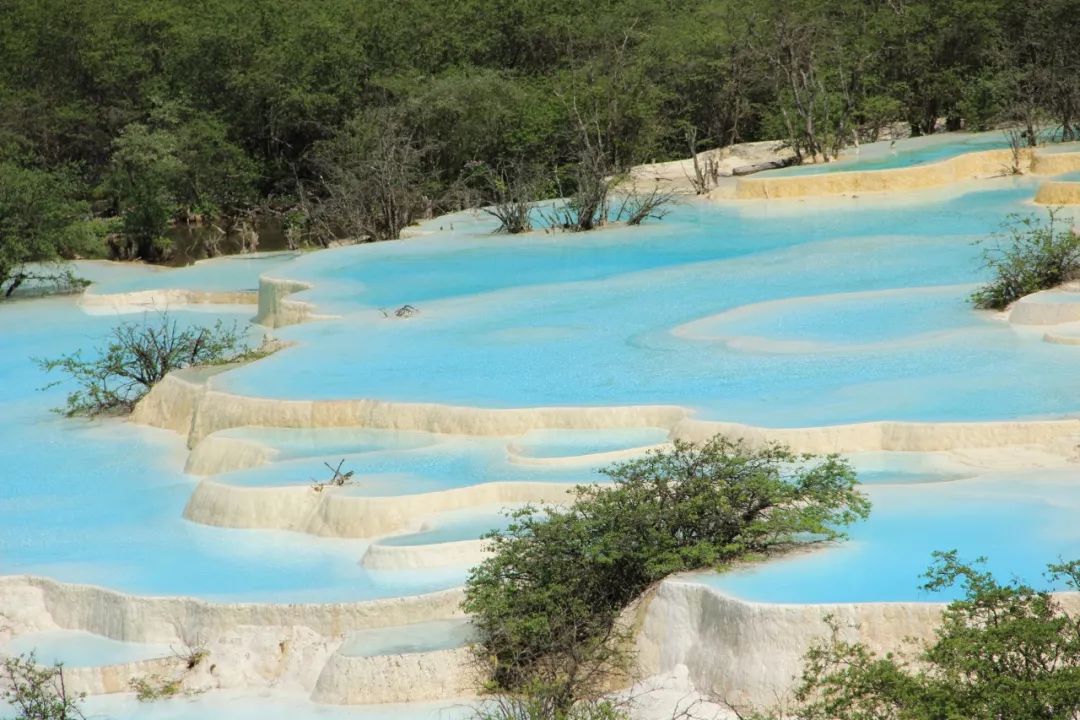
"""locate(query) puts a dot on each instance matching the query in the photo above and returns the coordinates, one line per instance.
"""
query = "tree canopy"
(1004, 650)
(218, 109)
(546, 603)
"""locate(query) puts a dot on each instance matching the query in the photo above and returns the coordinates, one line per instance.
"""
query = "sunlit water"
(786, 314)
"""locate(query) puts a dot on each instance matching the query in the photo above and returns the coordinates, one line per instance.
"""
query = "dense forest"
(351, 118)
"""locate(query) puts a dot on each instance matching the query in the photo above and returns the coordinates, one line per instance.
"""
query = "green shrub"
(154, 688)
(41, 224)
(535, 706)
(37, 692)
(1028, 255)
(137, 356)
(1002, 651)
(546, 604)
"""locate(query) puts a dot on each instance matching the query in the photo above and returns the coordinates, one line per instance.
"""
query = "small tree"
(37, 692)
(143, 174)
(1028, 255)
(547, 603)
(371, 180)
(507, 193)
(637, 207)
(41, 223)
(1002, 651)
(137, 356)
(589, 207)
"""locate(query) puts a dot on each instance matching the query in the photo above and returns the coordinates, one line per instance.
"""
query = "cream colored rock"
(975, 165)
(1058, 193)
(164, 299)
(38, 602)
(1049, 307)
(420, 557)
(108, 679)
(216, 454)
(895, 436)
(177, 403)
(751, 653)
(349, 680)
(276, 310)
(1045, 163)
(514, 455)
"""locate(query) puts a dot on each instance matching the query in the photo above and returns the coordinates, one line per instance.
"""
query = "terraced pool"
(798, 314)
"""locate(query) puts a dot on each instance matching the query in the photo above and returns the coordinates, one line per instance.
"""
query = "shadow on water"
(189, 241)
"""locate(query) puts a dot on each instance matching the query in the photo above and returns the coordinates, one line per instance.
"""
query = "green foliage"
(261, 94)
(547, 602)
(536, 706)
(1028, 255)
(41, 223)
(143, 176)
(507, 194)
(1002, 651)
(37, 692)
(371, 181)
(137, 356)
(154, 688)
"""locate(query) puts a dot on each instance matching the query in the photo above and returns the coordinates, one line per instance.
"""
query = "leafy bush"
(1003, 651)
(507, 194)
(36, 692)
(1028, 256)
(139, 355)
(41, 223)
(546, 603)
(538, 707)
(154, 688)
(371, 181)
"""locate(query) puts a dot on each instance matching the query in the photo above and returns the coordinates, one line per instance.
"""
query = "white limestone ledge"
(1058, 192)
(751, 653)
(108, 679)
(197, 410)
(422, 557)
(895, 436)
(1048, 307)
(216, 454)
(409, 677)
(332, 512)
(41, 603)
(276, 309)
(1047, 163)
(515, 455)
(164, 299)
(968, 166)
(189, 408)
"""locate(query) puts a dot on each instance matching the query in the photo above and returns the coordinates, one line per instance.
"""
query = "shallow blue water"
(454, 526)
(405, 639)
(265, 705)
(101, 502)
(590, 320)
(234, 272)
(917, 151)
(571, 443)
(1019, 521)
(567, 320)
(448, 462)
(74, 648)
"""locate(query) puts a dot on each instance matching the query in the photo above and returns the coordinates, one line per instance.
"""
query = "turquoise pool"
(577, 320)
(883, 155)
(101, 502)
